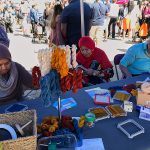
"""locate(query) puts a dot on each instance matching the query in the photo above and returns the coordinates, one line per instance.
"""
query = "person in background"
(146, 15)
(98, 67)
(126, 22)
(97, 29)
(13, 77)
(33, 15)
(55, 35)
(3, 36)
(46, 11)
(134, 21)
(137, 60)
(114, 11)
(9, 20)
(107, 19)
(71, 21)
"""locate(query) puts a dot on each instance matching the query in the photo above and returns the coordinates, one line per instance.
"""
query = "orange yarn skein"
(59, 61)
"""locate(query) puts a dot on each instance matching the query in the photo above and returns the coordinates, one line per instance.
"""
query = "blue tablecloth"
(113, 138)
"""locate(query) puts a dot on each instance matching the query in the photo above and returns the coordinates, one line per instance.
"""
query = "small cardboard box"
(21, 143)
(143, 98)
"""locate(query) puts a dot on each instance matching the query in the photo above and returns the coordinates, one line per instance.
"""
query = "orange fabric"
(143, 30)
(126, 24)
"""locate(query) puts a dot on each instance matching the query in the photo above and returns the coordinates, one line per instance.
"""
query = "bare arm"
(64, 30)
(125, 71)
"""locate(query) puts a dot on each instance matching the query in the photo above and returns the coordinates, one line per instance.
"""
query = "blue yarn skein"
(50, 87)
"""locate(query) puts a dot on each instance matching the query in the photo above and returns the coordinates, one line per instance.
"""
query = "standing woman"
(126, 21)
(55, 35)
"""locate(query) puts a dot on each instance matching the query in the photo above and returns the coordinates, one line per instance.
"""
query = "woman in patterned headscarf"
(98, 66)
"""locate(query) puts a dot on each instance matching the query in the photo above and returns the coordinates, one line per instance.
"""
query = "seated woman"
(96, 63)
(136, 60)
(13, 77)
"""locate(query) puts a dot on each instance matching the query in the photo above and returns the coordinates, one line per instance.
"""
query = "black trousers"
(95, 80)
(8, 27)
(113, 22)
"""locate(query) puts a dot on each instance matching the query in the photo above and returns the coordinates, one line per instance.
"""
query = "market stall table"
(112, 137)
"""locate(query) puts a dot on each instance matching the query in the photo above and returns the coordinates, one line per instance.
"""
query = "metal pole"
(82, 18)
(59, 110)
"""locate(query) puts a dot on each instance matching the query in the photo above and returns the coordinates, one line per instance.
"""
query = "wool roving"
(74, 62)
(44, 58)
(68, 56)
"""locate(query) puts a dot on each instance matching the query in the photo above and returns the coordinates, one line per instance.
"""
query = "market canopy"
(122, 1)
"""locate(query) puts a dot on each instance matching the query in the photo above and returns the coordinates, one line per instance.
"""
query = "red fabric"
(87, 42)
(98, 55)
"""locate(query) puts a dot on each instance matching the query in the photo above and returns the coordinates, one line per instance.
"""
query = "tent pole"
(82, 18)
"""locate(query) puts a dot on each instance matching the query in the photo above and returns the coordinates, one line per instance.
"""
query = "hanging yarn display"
(59, 74)
(56, 75)
(74, 62)
(44, 58)
(58, 61)
(73, 81)
(68, 56)
(50, 87)
(36, 75)
(66, 83)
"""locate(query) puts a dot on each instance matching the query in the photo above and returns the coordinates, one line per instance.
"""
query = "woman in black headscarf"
(13, 77)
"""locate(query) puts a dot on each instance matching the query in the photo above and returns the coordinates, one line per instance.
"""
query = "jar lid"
(90, 117)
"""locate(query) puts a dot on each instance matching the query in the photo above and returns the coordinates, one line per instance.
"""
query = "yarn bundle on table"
(59, 74)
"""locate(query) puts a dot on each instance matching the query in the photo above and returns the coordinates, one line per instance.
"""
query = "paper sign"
(92, 144)
(66, 103)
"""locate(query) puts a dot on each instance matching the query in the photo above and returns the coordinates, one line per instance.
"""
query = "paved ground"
(24, 51)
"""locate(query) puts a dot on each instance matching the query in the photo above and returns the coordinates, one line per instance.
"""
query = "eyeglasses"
(85, 50)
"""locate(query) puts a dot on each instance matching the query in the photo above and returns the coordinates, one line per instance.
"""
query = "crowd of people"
(61, 21)
(102, 19)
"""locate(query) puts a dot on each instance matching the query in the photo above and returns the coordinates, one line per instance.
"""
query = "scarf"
(98, 55)
(84, 61)
(7, 86)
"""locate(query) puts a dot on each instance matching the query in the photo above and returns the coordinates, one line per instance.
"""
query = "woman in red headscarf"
(98, 67)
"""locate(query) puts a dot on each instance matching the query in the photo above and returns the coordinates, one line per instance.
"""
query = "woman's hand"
(89, 71)
(96, 73)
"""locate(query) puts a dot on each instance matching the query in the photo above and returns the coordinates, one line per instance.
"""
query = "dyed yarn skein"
(36, 75)
(50, 88)
(59, 62)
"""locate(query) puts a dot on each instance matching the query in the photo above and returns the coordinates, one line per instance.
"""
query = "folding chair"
(117, 59)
